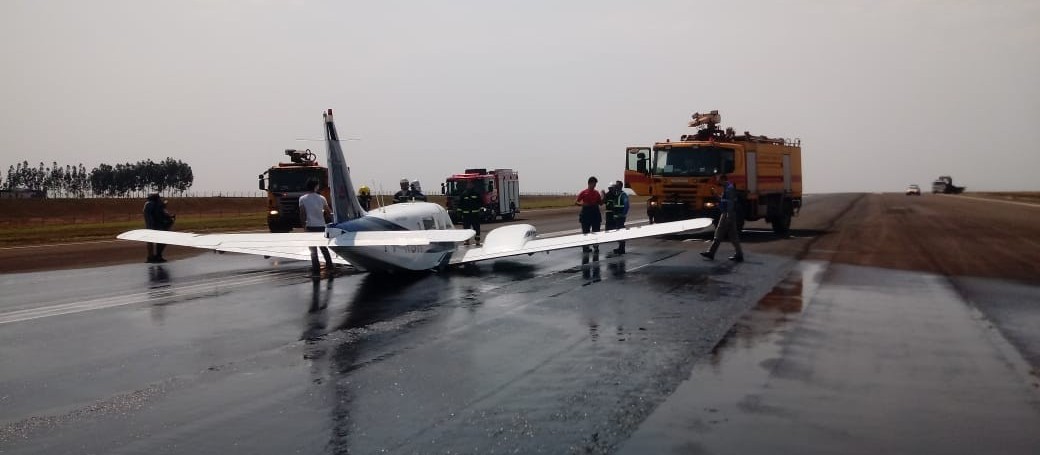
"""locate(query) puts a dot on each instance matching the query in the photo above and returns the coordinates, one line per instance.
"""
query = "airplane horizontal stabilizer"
(519, 239)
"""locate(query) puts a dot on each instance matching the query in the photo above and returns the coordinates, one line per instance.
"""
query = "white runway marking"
(207, 287)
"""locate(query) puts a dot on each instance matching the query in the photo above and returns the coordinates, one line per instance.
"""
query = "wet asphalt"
(656, 351)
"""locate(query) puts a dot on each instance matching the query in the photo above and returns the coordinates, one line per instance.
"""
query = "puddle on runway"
(760, 328)
(745, 355)
(742, 361)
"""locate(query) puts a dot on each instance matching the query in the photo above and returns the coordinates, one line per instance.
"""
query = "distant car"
(913, 190)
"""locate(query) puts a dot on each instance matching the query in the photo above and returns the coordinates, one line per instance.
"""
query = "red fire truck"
(499, 190)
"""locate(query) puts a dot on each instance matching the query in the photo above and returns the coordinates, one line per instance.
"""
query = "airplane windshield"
(691, 161)
(369, 223)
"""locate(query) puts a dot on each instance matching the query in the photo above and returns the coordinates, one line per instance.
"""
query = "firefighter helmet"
(364, 191)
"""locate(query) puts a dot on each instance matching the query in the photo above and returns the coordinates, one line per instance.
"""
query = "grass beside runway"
(44, 221)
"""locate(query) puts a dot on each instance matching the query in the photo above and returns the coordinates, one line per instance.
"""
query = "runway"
(815, 344)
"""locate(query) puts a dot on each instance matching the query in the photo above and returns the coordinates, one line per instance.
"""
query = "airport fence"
(15, 213)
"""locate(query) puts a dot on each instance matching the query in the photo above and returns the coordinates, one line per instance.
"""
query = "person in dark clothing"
(156, 217)
(415, 192)
(469, 207)
(616, 211)
(589, 199)
(727, 227)
(404, 195)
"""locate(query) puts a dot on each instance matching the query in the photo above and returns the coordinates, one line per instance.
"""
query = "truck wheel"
(782, 224)
(508, 216)
(276, 227)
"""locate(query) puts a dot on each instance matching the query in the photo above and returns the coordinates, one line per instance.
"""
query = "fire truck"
(499, 192)
(681, 178)
(286, 182)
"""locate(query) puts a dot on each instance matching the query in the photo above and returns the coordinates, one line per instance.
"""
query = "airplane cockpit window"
(428, 224)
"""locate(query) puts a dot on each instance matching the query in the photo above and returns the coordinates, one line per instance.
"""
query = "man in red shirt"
(589, 199)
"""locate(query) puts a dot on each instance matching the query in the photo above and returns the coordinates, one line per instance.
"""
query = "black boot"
(737, 258)
(708, 255)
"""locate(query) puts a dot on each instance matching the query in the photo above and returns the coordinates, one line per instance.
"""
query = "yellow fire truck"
(286, 182)
(681, 177)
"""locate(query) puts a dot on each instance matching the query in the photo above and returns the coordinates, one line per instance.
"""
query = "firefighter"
(415, 192)
(365, 197)
(469, 206)
(403, 195)
(616, 202)
(589, 199)
(727, 227)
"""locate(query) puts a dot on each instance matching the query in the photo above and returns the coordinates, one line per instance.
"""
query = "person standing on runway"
(727, 227)
(589, 199)
(616, 211)
(313, 211)
(470, 205)
(156, 217)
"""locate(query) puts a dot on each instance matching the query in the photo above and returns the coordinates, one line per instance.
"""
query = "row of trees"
(121, 180)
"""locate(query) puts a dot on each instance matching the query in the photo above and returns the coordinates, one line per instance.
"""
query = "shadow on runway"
(753, 235)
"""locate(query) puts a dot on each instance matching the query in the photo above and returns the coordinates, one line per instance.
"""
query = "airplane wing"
(520, 239)
(289, 245)
(294, 245)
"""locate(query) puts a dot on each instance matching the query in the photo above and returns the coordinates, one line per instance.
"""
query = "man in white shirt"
(313, 208)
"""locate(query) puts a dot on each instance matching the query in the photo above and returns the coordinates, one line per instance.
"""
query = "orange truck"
(286, 182)
(681, 178)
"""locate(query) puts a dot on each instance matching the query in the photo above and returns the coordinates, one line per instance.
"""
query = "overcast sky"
(882, 93)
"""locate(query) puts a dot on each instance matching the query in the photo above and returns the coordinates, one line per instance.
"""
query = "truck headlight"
(709, 205)
(274, 212)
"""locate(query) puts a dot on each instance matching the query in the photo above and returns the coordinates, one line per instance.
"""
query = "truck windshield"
(691, 161)
(295, 180)
(457, 187)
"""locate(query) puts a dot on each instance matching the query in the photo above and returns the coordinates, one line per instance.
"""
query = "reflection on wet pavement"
(866, 361)
(590, 267)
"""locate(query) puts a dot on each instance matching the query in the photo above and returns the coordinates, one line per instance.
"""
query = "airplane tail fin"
(345, 205)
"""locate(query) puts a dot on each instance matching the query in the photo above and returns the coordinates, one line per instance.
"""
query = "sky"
(882, 93)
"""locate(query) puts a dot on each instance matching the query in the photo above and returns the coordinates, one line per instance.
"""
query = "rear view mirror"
(261, 178)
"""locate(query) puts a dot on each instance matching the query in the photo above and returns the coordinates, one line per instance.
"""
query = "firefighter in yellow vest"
(616, 202)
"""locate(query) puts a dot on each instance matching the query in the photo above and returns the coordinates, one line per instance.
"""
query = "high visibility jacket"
(617, 204)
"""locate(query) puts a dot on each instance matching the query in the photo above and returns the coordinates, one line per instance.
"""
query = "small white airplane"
(407, 236)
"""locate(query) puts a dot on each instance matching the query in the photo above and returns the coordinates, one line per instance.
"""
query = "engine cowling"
(509, 238)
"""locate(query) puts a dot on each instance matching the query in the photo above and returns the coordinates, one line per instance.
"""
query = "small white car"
(913, 190)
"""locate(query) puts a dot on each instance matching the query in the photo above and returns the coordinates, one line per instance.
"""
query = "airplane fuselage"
(408, 216)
